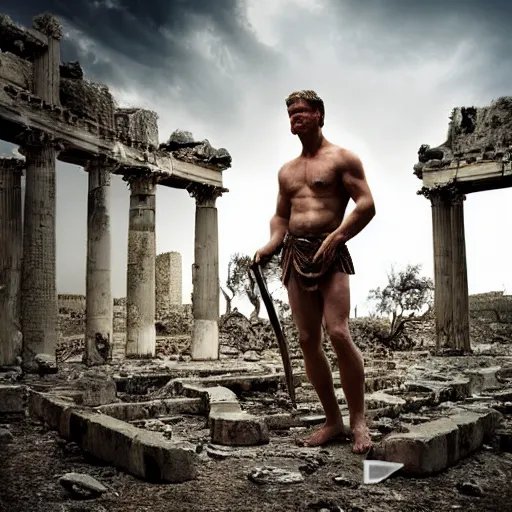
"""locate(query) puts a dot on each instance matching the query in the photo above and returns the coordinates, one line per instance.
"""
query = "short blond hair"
(311, 97)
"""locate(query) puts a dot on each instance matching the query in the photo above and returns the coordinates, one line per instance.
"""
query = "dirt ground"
(31, 465)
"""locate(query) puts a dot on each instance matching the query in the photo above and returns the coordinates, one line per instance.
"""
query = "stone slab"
(139, 452)
(238, 429)
(483, 379)
(130, 411)
(433, 446)
(13, 399)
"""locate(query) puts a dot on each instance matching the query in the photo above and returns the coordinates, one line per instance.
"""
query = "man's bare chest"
(320, 176)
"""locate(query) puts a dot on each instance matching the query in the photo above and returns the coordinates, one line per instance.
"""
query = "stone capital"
(12, 164)
(48, 25)
(205, 195)
(141, 182)
(33, 139)
(448, 195)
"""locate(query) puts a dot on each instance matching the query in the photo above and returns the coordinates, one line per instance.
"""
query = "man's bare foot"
(361, 436)
(325, 434)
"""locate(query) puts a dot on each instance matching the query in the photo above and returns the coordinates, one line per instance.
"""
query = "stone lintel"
(83, 139)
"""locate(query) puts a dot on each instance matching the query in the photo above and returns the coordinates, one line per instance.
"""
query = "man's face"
(303, 117)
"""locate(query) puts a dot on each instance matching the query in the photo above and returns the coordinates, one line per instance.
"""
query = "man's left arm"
(354, 181)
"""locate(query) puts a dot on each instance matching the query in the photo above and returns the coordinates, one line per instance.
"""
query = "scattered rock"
(238, 429)
(470, 488)
(46, 364)
(251, 356)
(6, 436)
(345, 482)
(273, 475)
(82, 485)
(325, 506)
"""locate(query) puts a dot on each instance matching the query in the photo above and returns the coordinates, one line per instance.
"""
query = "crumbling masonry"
(51, 112)
(475, 157)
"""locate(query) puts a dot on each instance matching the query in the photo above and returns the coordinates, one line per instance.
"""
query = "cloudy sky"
(389, 71)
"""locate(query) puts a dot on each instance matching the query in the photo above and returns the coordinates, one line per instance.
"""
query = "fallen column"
(140, 294)
(39, 308)
(205, 274)
(99, 305)
(11, 170)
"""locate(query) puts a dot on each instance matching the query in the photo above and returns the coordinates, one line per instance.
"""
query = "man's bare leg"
(336, 296)
(307, 313)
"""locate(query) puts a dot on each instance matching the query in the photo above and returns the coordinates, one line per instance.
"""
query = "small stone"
(345, 482)
(6, 436)
(273, 475)
(470, 488)
(251, 356)
(46, 364)
(229, 351)
(82, 485)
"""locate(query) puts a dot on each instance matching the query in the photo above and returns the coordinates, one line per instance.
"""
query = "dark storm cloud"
(390, 31)
(151, 44)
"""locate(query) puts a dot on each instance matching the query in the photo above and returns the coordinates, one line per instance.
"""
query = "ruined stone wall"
(491, 307)
(169, 288)
(15, 70)
(88, 101)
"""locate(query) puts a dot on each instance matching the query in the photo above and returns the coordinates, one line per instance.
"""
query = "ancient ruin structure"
(169, 287)
(475, 157)
(51, 112)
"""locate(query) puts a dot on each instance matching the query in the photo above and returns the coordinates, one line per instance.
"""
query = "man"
(310, 225)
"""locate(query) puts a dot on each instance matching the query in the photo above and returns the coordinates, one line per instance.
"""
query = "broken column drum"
(39, 309)
(205, 274)
(99, 304)
(140, 294)
(11, 170)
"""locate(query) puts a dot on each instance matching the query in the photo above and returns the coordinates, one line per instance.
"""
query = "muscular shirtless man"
(310, 225)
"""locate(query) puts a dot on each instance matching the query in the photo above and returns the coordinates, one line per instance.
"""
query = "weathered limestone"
(238, 429)
(99, 304)
(443, 271)
(168, 281)
(13, 399)
(460, 276)
(11, 170)
(139, 452)
(433, 446)
(39, 308)
(140, 295)
(205, 274)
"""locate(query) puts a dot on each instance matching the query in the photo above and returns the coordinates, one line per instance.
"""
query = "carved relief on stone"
(205, 195)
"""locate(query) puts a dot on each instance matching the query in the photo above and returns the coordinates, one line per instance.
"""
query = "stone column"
(460, 276)
(11, 170)
(99, 304)
(39, 308)
(140, 294)
(443, 269)
(205, 274)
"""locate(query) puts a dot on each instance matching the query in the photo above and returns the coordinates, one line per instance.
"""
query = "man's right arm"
(280, 220)
(278, 223)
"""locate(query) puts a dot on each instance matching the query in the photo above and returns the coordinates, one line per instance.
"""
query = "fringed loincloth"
(297, 256)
